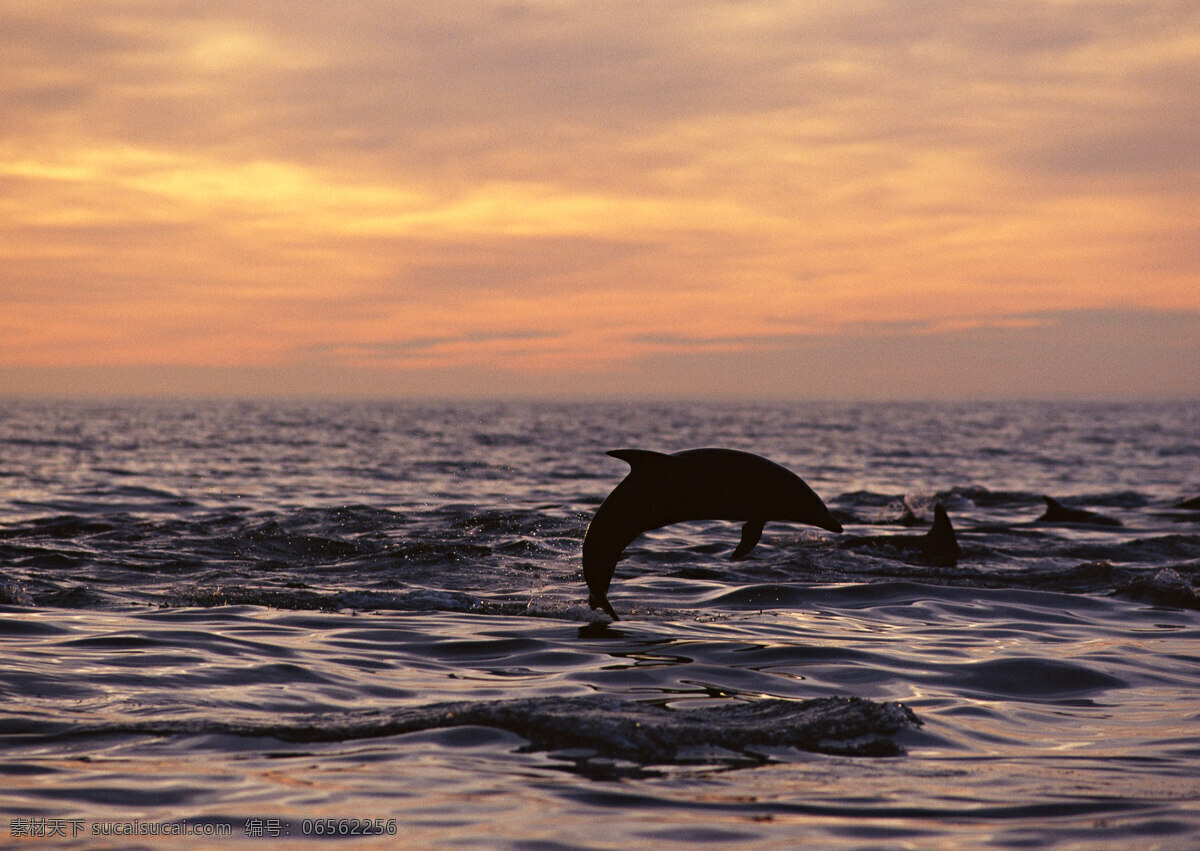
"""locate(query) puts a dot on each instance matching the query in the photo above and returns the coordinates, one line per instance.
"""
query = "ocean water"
(229, 622)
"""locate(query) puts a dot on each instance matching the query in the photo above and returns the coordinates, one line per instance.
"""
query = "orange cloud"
(565, 188)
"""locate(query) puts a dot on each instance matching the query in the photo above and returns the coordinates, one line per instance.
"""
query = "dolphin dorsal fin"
(941, 534)
(639, 459)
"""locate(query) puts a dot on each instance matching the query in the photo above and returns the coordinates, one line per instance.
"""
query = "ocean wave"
(602, 726)
(415, 600)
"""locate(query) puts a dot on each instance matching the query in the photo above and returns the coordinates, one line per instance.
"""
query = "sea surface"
(241, 621)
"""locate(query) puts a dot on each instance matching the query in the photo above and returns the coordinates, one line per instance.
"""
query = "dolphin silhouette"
(698, 484)
(1056, 512)
(939, 546)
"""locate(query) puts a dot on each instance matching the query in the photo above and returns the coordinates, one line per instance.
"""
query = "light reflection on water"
(193, 589)
(1094, 723)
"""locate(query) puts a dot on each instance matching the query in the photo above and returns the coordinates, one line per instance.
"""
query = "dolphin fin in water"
(1056, 512)
(940, 542)
(938, 546)
(698, 484)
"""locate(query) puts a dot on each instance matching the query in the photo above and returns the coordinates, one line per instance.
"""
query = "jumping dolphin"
(938, 546)
(699, 484)
(1056, 512)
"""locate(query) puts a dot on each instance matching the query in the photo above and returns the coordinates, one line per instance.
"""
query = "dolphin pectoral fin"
(751, 533)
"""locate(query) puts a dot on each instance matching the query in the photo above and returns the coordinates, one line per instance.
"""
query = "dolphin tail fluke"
(751, 533)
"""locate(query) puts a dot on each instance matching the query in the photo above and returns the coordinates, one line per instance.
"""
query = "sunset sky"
(811, 199)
